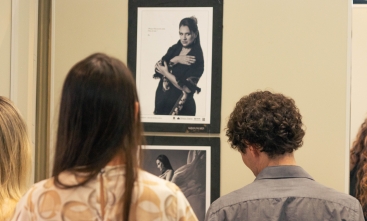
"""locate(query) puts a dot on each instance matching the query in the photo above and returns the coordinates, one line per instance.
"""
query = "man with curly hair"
(266, 128)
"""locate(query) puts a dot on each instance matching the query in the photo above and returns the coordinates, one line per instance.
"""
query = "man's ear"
(254, 151)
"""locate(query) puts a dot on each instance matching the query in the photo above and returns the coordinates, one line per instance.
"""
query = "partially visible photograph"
(359, 1)
(173, 64)
(186, 166)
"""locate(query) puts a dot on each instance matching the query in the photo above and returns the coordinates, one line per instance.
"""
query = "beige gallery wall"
(18, 58)
(18, 55)
(299, 48)
(5, 47)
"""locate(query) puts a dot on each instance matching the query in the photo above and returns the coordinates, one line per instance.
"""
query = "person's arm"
(163, 69)
(183, 59)
(193, 72)
(169, 175)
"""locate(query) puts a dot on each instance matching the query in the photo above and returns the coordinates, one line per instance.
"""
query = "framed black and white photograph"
(359, 1)
(191, 163)
(175, 52)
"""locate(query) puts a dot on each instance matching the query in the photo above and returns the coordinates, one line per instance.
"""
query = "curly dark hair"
(267, 121)
(358, 156)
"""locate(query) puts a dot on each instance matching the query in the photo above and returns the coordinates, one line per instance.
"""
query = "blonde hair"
(15, 157)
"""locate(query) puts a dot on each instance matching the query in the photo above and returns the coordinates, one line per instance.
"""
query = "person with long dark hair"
(179, 71)
(164, 167)
(96, 173)
(358, 167)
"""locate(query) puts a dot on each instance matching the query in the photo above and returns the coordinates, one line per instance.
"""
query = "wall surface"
(81, 28)
(18, 54)
(18, 57)
(5, 45)
(24, 60)
(299, 48)
(359, 69)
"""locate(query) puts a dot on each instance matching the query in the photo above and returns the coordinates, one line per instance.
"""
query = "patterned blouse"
(153, 199)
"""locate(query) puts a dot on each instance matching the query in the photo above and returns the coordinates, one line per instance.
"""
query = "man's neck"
(282, 160)
(286, 159)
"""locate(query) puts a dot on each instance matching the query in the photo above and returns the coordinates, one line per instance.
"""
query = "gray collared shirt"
(285, 193)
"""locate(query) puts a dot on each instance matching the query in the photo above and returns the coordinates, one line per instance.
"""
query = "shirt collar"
(281, 172)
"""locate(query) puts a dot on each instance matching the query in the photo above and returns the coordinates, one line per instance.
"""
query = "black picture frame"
(179, 151)
(187, 124)
(359, 1)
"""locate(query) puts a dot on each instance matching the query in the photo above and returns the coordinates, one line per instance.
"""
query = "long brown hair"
(15, 157)
(358, 158)
(97, 121)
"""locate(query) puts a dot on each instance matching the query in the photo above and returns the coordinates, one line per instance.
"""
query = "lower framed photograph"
(192, 163)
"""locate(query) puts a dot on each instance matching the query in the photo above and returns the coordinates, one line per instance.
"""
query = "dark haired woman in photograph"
(358, 167)
(165, 167)
(96, 171)
(179, 71)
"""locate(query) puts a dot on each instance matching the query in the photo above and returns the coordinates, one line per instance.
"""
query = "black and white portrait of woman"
(173, 65)
(179, 72)
(187, 167)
